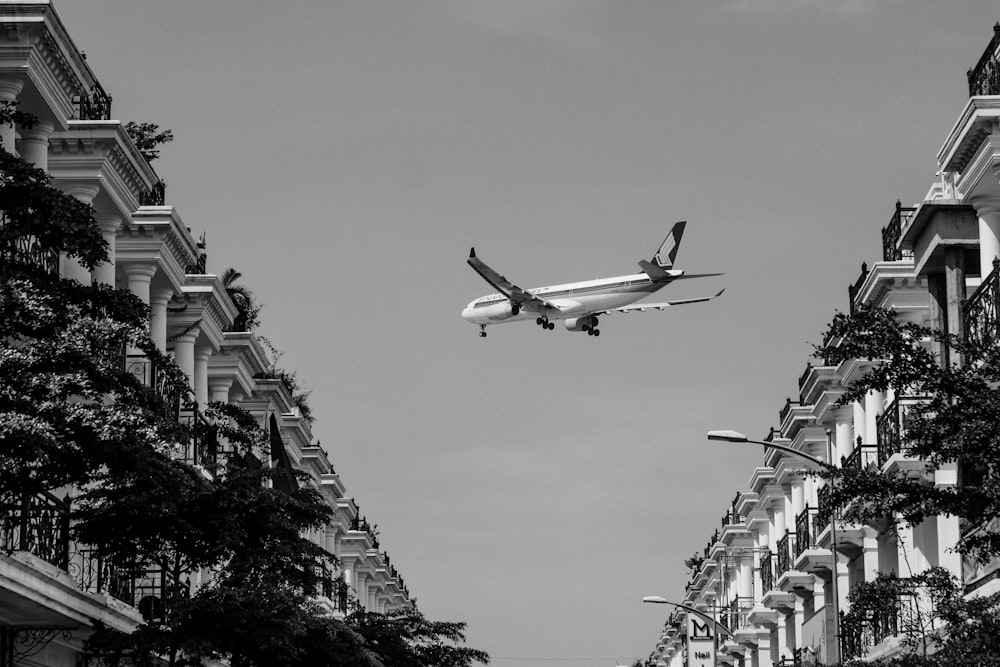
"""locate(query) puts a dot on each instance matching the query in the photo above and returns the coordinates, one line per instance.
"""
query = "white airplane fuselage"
(574, 300)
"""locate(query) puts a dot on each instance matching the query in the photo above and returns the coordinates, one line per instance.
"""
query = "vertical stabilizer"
(664, 257)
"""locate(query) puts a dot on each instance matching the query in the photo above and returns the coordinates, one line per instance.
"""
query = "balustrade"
(37, 523)
(896, 616)
(806, 529)
(766, 570)
(27, 251)
(981, 312)
(783, 554)
(861, 458)
(736, 615)
(887, 431)
(892, 232)
(984, 78)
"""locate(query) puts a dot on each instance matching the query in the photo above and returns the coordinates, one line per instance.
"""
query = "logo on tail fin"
(664, 257)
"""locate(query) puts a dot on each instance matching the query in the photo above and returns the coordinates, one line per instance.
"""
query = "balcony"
(892, 233)
(806, 530)
(766, 570)
(26, 251)
(783, 555)
(171, 394)
(899, 616)
(890, 429)
(984, 78)
(863, 457)
(981, 311)
(735, 617)
(36, 523)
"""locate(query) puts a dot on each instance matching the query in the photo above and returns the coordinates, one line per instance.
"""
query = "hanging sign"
(701, 641)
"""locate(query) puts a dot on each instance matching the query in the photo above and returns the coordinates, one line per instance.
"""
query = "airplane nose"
(467, 313)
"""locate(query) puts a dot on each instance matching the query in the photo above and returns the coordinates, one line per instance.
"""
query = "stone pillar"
(842, 436)
(947, 526)
(71, 266)
(109, 224)
(869, 555)
(218, 390)
(859, 422)
(954, 277)
(35, 144)
(184, 353)
(10, 88)
(874, 404)
(798, 498)
(202, 352)
(989, 233)
(139, 277)
(158, 300)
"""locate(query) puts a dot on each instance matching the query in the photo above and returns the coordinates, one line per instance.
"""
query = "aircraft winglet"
(472, 252)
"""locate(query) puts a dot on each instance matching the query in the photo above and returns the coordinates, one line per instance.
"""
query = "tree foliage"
(73, 418)
(148, 137)
(954, 421)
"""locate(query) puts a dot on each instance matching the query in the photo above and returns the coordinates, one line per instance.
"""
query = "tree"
(147, 137)
(247, 309)
(405, 638)
(952, 421)
(955, 422)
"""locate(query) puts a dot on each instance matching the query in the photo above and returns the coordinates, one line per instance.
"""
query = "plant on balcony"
(954, 424)
(930, 614)
(248, 310)
(148, 137)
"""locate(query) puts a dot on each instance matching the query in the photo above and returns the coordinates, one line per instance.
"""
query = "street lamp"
(656, 599)
(736, 436)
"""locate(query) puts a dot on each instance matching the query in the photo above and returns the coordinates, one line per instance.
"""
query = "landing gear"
(544, 323)
(593, 332)
(482, 331)
(515, 310)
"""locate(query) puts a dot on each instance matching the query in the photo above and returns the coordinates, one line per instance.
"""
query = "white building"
(52, 590)
(768, 573)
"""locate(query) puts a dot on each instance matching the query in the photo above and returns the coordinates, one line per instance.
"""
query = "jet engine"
(587, 323)
(501, 311)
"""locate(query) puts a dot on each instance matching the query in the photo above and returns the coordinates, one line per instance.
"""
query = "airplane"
(580, 304)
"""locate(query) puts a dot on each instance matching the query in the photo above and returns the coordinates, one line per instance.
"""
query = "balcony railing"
(27, 251)
(852, 290)
(736, 615)
(157, 589)
(93, 106)
(97, 574)
(823, 507)
(892, 232)
(766, 570)
(984, 78)
(37, 523)
(171, 394)
(862, 458)
(806, 529)
(982, 310)
(783, 555)
(203, 447)
(887, 431)
(897, 617)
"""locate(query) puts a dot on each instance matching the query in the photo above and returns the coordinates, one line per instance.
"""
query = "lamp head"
(655, 599)
(727, 436)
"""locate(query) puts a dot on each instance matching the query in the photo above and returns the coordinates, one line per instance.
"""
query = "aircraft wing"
(643, 307)
(517, 295)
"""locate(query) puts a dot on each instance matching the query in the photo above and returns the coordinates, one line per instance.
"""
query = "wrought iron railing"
(27, 251)
(823, 506)
(892, 232)
(157, 589)
(984, 78)
(888, 433)
(170, 393)
(98, 574)
(806, 532)
(203, 447)
(766, 570)
(852, 290)
(783, 554)
(93, 106)
(156, 196)
(897, 617)
(981, 312)
(861, 458)
(736, 615)
(37, 523)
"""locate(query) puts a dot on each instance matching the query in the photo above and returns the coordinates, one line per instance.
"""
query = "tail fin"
(663, 260)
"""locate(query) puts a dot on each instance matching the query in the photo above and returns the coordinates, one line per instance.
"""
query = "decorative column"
(184, 353)
(138, 277)
(859, 422)
(218, 390)
(947, 526)
(109, 224)
(9, 90)
(158, 300)
(35, 144)
(202, 352)
(988, 211)
(843, 440)
(85, 192)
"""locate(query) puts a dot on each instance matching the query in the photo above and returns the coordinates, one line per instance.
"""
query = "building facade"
(52, 591)
(774, 574)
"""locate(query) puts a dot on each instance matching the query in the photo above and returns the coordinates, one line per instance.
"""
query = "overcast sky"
(344, 156)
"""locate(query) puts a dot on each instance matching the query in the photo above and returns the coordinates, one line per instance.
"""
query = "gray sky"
(344, 156)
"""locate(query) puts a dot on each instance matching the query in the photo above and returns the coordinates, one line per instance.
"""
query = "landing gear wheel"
(585, 327)
(550, 325)
(482, 331)
(539, 321)
(515, 310)
(597, 332)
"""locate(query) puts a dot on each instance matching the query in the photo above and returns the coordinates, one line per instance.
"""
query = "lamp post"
(656, 599)
(736, 436)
